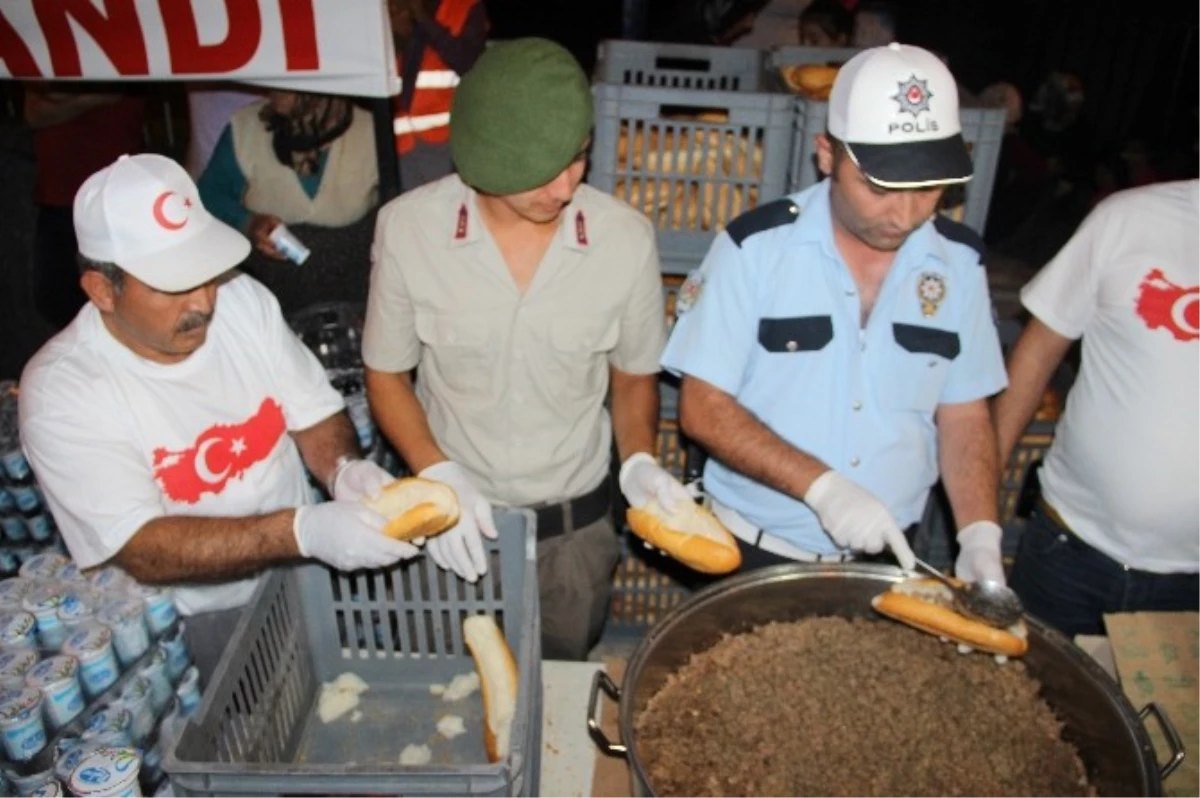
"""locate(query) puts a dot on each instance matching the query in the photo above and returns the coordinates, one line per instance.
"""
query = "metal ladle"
(985, 600)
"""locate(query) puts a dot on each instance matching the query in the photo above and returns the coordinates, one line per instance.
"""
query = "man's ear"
(824, 154)
(99, 290)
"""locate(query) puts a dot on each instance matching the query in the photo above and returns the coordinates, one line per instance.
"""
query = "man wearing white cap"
(171, 437)
(837, 346)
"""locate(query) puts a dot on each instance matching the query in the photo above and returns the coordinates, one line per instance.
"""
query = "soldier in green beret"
(513, 330)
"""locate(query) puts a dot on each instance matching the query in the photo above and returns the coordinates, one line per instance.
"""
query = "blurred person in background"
(826, 23)
(77, 129)
(210, 107)
(436, 41)
(874, 24)
(292, 158)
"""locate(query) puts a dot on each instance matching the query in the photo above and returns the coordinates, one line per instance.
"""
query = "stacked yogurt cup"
(89, 661)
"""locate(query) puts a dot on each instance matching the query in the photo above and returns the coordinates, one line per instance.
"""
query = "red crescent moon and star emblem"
(1163, 304)
(160, 214)
(219, 454)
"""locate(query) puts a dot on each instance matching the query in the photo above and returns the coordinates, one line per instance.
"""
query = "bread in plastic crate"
(691, 161)
(257, 731)
(780, 58)
(679, 66)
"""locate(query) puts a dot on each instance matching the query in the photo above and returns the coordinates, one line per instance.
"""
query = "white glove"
(855, 519)
(643, 480)
(460, 548)
(979, 558)
(979, 553)
(348, 536)
(359, 479)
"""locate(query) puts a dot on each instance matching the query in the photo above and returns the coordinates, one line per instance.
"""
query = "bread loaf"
(415, 508)
(690, 534)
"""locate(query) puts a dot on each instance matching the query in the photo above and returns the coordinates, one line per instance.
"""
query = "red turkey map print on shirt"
(221, 453)
(1161, 303)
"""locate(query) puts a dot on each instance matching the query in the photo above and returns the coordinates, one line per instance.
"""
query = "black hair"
(831, 16)
(114, 273)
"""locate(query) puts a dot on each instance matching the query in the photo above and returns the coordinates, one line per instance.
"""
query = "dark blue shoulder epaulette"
(959, 232)
(776, 213)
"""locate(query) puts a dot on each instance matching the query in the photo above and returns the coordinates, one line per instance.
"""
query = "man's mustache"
(193, 321)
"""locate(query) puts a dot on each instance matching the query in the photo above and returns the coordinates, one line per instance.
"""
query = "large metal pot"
(1098, 718)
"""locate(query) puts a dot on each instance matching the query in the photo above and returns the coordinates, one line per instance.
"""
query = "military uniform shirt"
(514, 384)
(776, 325)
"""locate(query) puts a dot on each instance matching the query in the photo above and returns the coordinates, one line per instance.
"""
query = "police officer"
(837, 347)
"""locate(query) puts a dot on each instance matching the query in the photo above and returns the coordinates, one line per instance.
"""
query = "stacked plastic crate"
(690, 136)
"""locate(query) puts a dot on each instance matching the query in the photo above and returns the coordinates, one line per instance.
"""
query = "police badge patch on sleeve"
(931, 290)
(689, 292)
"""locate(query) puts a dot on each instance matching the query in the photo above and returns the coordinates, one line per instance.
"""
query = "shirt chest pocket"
(795, 334)
(463, 352)
(580, 353)
(919, 366)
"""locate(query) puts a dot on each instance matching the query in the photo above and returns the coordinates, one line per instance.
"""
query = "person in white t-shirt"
(170, 431)
(1117, 528)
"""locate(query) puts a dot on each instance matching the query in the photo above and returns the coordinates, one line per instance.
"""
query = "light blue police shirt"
(776, 325)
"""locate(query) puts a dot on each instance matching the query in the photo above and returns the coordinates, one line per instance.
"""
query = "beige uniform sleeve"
(390, 342)
(643, 321)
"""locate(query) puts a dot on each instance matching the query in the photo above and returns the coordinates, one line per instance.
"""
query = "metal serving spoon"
(985, 600)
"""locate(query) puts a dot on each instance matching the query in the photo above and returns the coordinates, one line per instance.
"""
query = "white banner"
(333, 46)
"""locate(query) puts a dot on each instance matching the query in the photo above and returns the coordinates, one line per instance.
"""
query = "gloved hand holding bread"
(663, 513)
(928, 605)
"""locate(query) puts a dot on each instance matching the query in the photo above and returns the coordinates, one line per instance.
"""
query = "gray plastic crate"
(679, 66)
(982, 129)
(256, 731)
(691, 161)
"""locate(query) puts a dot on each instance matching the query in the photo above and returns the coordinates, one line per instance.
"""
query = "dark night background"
(1137, 62)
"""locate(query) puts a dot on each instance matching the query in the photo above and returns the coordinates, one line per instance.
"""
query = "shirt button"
(857, 405)
(849, 292)
(792, 346)
(854, 461)
(932, 364)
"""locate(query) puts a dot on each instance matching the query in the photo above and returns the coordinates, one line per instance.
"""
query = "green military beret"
(520, 116)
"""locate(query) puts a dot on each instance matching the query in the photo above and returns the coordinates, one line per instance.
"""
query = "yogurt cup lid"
(15, 588)
(16, 625)
(88, 640)
(52, 669)
(74, 607)
(70, 758)
(46, 565)
(71, 573)
(110, 578)
(111, 718)
(123, 610)
(136, 688)
(103, 770)
(48, 790)
(17, 661)
(16, 703)
(46, 596)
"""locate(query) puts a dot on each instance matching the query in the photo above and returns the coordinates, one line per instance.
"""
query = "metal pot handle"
(1174, 742)
(602, 681)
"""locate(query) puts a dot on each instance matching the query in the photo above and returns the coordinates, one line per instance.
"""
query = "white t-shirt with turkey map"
(1124, 469)
(116, 440)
